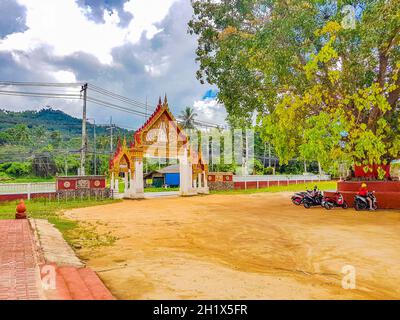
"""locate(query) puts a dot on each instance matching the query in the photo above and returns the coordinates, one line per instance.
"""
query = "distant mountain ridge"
(50, 119)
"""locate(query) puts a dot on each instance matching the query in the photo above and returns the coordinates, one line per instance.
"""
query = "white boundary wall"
(299, 178)
(27, 188)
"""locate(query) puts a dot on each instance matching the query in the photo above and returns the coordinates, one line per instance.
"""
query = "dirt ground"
(256, 246)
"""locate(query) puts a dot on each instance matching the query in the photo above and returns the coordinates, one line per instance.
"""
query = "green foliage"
(268, 171)
(322, 92)
(4, 176)
(292, 167)
(258, 167)
(16, 169)
(381, 173)
(321, 137)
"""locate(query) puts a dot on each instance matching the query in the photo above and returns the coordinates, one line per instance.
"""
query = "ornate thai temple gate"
(159, 137)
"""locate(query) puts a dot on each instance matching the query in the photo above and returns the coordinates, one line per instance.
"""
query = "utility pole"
(66, 165)
(146, 111)
(95, 149)
(111, 136)
(84, 136)
(94, 146)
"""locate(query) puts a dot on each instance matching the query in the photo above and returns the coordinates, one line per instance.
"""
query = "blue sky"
(137, 48)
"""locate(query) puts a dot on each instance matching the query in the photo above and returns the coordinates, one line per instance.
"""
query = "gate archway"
(162, 137)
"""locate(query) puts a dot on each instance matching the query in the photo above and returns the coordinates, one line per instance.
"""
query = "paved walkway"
(23, 256)
(19, 271)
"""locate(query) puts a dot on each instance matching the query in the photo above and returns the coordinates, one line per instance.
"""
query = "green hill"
(47, 141)
(52, 120)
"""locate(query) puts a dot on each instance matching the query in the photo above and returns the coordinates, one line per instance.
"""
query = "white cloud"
(209, 110)
(63, 27)
(158, 69)
(64, 76)
(146, 13)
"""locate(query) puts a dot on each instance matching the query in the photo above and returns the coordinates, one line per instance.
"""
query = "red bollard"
(21, 210)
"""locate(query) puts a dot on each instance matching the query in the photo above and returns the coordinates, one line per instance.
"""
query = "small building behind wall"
(168, 176)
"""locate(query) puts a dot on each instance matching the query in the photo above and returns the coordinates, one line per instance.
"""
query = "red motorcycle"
(337, 200)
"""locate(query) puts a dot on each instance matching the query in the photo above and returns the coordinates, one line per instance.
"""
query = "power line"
(118, 97)
(40, 94)
(94, 100)
(114, 106)
(39, 84)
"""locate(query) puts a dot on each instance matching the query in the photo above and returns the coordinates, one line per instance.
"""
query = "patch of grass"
(326, 185)
(78, 234)
(42, 208)
(86, 235)
(63, 225)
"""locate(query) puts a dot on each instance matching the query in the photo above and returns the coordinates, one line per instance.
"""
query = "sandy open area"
(256, 246)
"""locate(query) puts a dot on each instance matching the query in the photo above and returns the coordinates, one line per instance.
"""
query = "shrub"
(268, 171)
(19, 169)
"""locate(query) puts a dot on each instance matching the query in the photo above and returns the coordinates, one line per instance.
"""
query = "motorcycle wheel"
(307, 205)
(345, 205)
(296, 201)
(358, 206)
(328, 206)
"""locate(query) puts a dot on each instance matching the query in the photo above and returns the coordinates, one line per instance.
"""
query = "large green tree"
(300, 64)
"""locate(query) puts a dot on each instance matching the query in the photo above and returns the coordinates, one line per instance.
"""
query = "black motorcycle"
(361, 203)
(313, 199)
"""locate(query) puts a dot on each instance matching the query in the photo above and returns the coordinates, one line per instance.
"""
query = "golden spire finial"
(166, 101)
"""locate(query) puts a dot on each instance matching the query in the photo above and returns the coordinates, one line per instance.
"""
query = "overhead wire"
(96, 89)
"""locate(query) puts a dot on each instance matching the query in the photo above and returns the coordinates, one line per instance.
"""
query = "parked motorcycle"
(298, 197)
(361, 203)
(337, 200)
(312, 199)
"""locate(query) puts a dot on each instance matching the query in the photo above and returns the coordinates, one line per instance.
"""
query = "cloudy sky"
(136, 48)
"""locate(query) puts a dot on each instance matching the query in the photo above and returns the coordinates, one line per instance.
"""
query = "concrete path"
(150, 195)
(19, 271)
(54, 248)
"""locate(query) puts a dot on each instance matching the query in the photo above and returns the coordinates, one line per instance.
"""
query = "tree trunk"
(269, 155)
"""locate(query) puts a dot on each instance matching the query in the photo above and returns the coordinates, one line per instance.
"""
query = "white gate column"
(116, 187)
(131, 182)
(206, 190)
(138, 178)
(112, 181)
(185, 169)
(126, 182)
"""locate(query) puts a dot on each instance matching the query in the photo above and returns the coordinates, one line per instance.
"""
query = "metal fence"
(300, 178)
(257, 182)
(27, 188)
